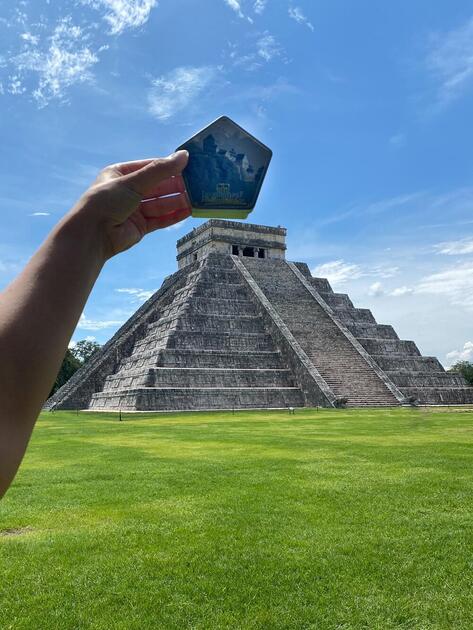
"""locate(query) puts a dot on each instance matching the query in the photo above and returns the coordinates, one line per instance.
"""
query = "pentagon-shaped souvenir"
(226, 169)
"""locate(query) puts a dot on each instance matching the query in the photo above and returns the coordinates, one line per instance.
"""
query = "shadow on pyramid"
(239, 327)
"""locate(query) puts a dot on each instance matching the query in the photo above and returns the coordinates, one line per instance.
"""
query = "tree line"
(75, 358)
(465, 368)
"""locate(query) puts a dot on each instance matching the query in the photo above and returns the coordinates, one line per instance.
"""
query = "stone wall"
(219, 237)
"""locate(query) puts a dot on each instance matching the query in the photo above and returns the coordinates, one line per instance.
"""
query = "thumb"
(144, 180)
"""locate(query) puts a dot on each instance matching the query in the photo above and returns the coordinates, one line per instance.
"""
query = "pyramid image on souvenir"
(237, 326)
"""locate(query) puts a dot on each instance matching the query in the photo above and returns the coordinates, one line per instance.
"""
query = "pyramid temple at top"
(239, 327)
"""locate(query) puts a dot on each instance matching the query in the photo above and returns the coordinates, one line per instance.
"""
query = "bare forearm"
(38, 314)
(41, 308)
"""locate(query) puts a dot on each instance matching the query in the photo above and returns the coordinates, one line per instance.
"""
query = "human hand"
(131, 199)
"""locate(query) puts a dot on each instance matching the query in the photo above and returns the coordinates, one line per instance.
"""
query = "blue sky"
(367, 107)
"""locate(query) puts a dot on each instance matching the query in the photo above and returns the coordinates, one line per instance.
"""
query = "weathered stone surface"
(335, 356)
(253, 331)
(77, 392)
(229, 237)
(177, 399)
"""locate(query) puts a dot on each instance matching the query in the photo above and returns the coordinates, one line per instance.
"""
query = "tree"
(74, 359)
(69, 366)
(465, 368)
(84, 349)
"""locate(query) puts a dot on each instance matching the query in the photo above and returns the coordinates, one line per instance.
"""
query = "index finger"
(144, 180)
(169, 186)
(124, 168)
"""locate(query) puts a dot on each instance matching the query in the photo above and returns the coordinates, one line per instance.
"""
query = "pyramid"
(240, 327)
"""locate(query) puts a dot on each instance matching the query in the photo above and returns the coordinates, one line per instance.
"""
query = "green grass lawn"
(336, 519)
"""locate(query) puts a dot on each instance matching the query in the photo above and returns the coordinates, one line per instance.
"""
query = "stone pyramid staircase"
(343, 365)
(208, 349)
(419, 378)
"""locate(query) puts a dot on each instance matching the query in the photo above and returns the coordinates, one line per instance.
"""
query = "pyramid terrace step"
(407, 363)
(217, 261)
(199, 377)
(372, 331)
(169, 357)
(354, 315)
(220, 291)
(321, 285)
(191, 399)
(204, 341)
(210, 323)
(389, 346)
(429, 379)
(337, 300)
(215, 275)
(215, 306)
(441, 395)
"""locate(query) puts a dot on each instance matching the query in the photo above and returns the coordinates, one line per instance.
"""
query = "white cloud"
(295, 13)
(450, 61)
(376, 289)
(138, 295)
(267, 47)
(90, 324)
(265, 50)
(465, 354)
(455, 248)
(340, 272)
(176, 90)
(259, 6)
(455, 283)
(235, 6)
(40, 214)
(123, 14)
(50, 56)
(15, 85)
(400, 291)
(65, 59)
(383, 271)
(29, 37)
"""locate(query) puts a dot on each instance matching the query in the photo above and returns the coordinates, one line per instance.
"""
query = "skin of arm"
(40, 309)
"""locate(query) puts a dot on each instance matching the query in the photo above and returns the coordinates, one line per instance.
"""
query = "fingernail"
(177, 154)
